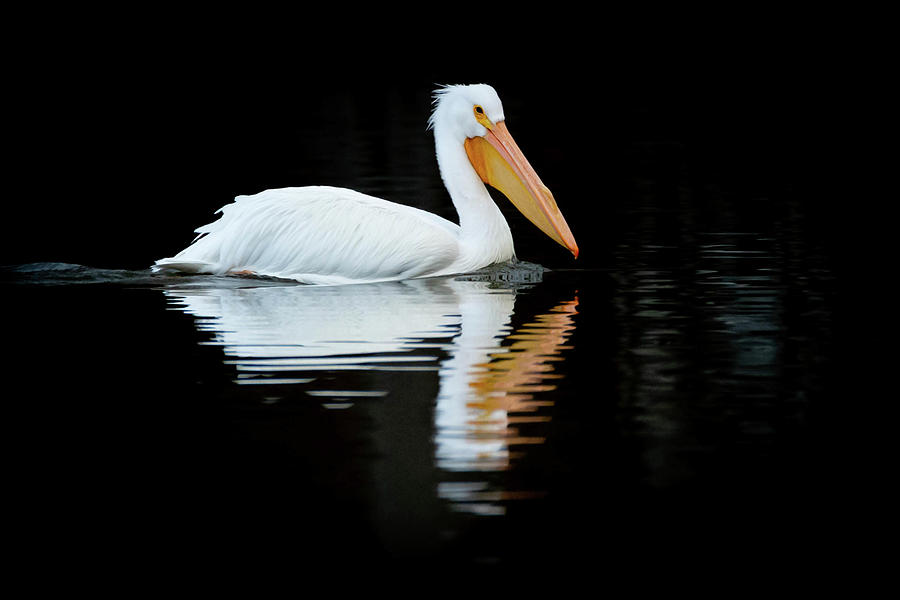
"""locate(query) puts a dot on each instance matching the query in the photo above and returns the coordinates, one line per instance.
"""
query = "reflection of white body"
(299, 322)
(274, 330)
(296, 322)
(328, 235)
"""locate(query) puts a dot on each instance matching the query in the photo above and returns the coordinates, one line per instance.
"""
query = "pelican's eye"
(481, 117)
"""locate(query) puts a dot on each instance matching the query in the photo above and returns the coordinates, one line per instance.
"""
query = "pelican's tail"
(182, 265)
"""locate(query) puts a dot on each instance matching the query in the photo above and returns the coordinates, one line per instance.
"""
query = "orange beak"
(499, 162)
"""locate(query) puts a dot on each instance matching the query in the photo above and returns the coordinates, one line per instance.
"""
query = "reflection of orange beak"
(501, 164)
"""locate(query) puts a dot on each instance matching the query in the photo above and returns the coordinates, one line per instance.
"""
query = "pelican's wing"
(320, 235)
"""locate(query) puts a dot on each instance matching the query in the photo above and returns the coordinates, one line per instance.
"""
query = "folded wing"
(320, 235)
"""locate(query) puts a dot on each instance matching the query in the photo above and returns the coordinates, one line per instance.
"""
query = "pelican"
(329, 235)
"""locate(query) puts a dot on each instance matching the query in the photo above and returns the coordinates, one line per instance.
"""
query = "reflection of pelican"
(335, 235)
(273, 329)
(499, 390)
(489, 372)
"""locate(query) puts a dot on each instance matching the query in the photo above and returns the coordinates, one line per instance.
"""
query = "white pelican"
(328, 235)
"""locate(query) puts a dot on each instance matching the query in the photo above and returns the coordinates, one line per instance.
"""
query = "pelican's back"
(319, 234)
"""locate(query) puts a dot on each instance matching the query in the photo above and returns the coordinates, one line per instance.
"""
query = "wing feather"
(320, 235)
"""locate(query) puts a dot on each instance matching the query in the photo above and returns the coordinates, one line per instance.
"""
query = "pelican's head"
(473, 114)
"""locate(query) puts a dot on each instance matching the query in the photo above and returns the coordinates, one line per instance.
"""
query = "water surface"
(478, 420)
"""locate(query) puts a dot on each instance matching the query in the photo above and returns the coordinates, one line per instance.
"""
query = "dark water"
(472, 421)
(667, 400)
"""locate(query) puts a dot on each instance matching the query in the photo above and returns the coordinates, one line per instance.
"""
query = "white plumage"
(329, 235)
(320, 235)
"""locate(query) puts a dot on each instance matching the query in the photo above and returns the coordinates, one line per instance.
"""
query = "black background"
(125, 137)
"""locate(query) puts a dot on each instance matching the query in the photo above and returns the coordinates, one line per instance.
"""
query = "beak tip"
(575, 252)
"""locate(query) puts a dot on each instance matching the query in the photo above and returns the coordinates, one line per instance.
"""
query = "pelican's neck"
(485, 237)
